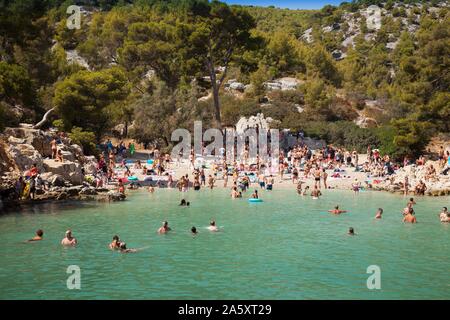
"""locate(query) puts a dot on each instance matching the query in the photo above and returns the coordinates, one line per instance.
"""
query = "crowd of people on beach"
(300, 162)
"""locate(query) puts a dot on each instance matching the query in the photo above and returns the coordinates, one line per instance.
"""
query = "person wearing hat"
(69, 240)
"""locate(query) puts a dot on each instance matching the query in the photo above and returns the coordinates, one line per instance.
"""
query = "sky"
(291, 4)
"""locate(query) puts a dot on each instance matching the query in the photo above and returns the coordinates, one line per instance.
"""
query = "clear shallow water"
(287, 247)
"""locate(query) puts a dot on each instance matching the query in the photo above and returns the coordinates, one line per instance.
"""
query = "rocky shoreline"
(24, 146)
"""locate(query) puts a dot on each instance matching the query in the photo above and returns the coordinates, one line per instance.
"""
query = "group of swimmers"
(70, 241)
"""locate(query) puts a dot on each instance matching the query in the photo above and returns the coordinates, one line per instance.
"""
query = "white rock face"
(72, 56)
(286, 83)
(233, 84)
(25, 156)
(257, 121)
(307, 36)
(90, 165)
(70, 171)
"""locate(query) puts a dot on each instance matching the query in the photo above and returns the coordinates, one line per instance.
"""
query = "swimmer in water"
(115, 244)
(305, 190)
(336, 210)
(151, 189)
(444, 216)
(39, 236)
(194, 231)
(316, 193)
(165, 228)
(182, 203)
(255, 194)
(212, 226)
(123, 248)
(351, 231)
(69, 240)
(409, 217)
(410, 203)
(379, 213)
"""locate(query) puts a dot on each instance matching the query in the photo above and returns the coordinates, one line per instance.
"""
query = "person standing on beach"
(324, 178)
(317, 175)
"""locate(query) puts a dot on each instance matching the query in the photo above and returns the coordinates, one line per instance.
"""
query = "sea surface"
(287, 247)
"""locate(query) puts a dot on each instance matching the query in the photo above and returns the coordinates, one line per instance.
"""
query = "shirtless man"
(165, 228)
(255, 195)
(316, 193)
(212, 226)
(39, 236)
(336, 210)
(115, 244)
(409, 217)
(317, 175)
(379, 213)
(444, 216)
(69, 240)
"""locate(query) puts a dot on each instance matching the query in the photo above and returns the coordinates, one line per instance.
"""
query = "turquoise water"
(287, 247)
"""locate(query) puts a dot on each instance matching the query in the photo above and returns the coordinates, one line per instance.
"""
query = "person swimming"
(212, 226)
(194, 231)
(123, 248)
(69, 240)
(255, 195)
(379, 213)
(336, 210)
(409, 217)
(165, 228)
(115, 244)
(444, 216)
(351, 232)
(39, 236)
(316, 193)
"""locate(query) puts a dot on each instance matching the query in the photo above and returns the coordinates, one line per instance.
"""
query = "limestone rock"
(25, 155)
(70, 171)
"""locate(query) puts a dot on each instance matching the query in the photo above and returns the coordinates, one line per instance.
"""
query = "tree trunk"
(215, 91)
(44, 119)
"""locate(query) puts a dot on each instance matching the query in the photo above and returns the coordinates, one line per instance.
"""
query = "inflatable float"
(254, 200)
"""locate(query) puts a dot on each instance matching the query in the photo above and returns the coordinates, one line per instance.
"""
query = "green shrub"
(85, 139)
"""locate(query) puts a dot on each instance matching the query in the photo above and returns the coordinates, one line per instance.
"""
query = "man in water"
(39, 236)
(410, 217)
(165, 228)
(379, 213)
(444, 216)
(194, 231)
(115, 244)
(316, 193)
(410, 203)
(336, 210)
(212, 226)
(69, 240)
(255, 194)
(351, 231)
(123, 248)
